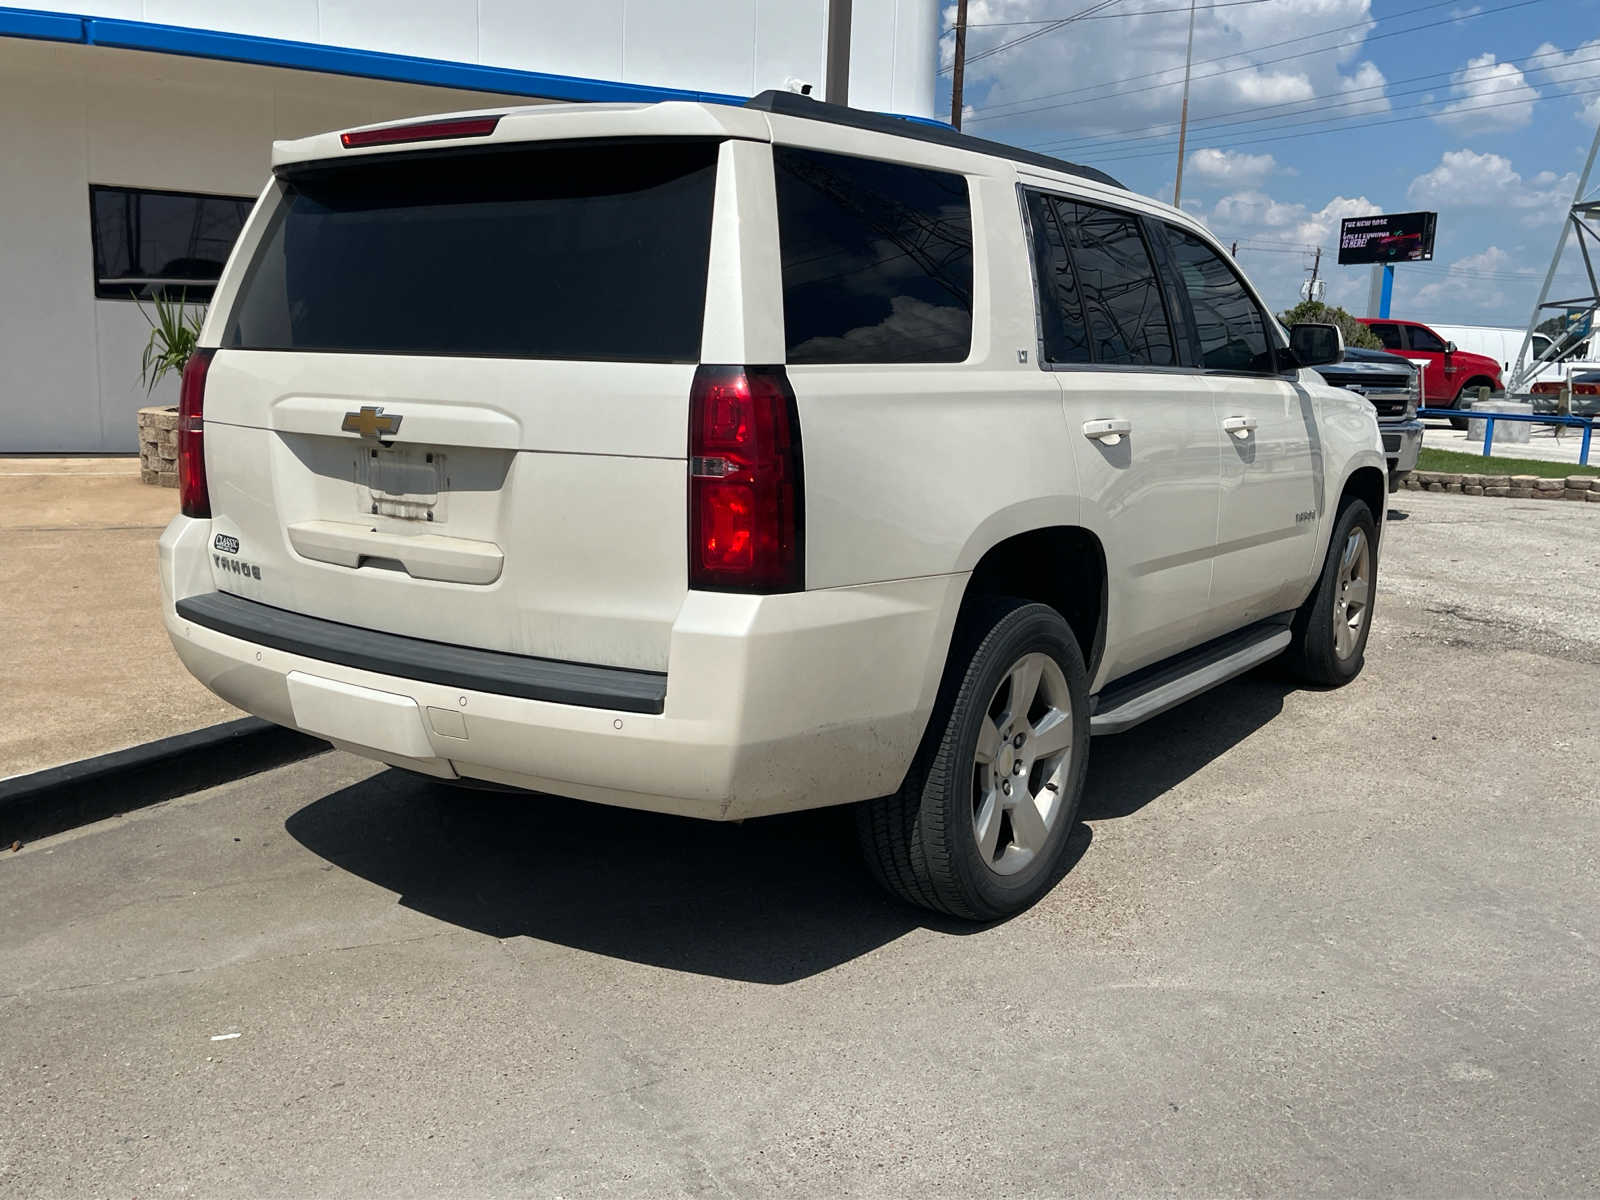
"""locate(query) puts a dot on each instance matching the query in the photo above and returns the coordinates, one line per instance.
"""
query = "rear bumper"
(772, 703)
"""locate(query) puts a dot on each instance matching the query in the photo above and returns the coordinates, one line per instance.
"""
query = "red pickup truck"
(1450, 377)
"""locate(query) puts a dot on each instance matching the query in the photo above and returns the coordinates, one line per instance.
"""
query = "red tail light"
(421, 131)
(746, 502)
(194, 500)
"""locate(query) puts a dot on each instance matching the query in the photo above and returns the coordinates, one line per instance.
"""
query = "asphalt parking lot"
(1311, 942)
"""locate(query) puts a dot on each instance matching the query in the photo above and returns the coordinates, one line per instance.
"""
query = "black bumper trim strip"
(615, 688)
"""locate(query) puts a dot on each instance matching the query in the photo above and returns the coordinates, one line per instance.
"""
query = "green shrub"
(173, 334)
(1316, 313)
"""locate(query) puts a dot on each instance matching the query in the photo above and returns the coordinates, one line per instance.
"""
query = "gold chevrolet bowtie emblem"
(371, 423)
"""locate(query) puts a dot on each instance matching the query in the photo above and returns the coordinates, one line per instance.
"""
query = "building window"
(877, 260)
(149, 243)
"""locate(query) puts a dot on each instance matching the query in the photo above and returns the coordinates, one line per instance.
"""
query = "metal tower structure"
(1583, 224)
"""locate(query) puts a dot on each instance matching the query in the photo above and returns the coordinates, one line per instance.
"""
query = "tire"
(956, 838)
(1320, 651)
(1467, 395)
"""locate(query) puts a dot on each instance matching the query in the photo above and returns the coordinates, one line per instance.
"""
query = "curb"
(59, 798)
(1514, 487)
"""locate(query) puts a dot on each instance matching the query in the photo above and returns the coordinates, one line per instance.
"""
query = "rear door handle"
(1240, 427)
(1107, 432)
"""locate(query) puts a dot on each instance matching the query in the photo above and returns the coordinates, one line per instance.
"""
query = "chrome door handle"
(1240, 427)
(1107, 432)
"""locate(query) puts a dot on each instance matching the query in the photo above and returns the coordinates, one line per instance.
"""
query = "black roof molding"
(792, 104)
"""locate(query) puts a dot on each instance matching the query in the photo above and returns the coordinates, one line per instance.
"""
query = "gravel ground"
(1310, 943)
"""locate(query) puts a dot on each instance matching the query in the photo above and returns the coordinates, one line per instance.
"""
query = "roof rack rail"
(791, 104)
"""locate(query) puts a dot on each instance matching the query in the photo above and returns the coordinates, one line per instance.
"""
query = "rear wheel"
(1330, 630)
(979, 828)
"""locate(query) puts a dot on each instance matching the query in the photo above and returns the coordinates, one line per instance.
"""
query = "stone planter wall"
(158, 446)
(1515, 487)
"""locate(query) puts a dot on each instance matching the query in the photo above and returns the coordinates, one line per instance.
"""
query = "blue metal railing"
(1587, 424)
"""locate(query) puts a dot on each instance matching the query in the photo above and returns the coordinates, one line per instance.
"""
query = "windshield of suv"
(588, 252)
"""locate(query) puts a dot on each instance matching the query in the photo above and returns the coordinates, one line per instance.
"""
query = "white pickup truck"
(726, 461)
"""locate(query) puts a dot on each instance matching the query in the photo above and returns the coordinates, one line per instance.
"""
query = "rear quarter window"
(877, 260)
(564, 252)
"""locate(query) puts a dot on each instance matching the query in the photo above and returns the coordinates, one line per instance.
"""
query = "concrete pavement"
(1542, 444)
(1311, 943)
(88, 668)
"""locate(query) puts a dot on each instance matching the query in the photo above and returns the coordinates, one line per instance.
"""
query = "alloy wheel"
(1023, 755)
(1353, 604)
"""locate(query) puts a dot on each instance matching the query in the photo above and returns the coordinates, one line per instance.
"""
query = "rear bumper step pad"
(493, 671)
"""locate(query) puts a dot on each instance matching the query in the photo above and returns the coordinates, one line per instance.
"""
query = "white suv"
(728, 461)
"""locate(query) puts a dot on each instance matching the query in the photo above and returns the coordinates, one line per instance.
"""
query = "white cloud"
(1271, 231)
(1230, 166)
(1366, 91)
(1121, 76)
(1468, 179)
(1476, 282)
(1489, 95)
(1572, 73)
(1254, 213)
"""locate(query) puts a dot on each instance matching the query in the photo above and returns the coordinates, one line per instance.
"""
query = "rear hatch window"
(594, 253)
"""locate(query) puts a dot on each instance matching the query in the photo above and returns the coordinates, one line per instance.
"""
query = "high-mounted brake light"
(421, 131)
(194, 499)
(746, 496)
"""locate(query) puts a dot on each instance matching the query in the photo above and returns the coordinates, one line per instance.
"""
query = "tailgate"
(451, 398)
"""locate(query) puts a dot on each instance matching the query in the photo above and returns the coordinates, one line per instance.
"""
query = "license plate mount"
(407, 483)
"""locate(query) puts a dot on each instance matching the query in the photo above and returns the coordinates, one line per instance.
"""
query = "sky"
(1305, 111)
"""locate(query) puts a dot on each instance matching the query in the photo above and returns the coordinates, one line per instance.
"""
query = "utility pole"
(958, 69)
(1234, 250)
(1316, 264)
(1183, 119)
(836, 77)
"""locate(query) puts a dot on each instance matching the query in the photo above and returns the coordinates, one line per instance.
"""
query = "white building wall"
(75, 115)
(735, 46)
(72, 115)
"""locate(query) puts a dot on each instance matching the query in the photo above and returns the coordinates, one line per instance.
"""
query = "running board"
(1122, 708)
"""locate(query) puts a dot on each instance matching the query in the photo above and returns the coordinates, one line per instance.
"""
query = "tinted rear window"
(594, 253)
(877, 260)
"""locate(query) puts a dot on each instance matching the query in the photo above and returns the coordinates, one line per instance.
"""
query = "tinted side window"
(1121, 293)
(1389, 335)
(1425, 339)
(1232, 331)
(594, 253)
(877, 260)
(1066, 340)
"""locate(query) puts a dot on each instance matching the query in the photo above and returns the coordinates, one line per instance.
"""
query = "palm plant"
(173, 333)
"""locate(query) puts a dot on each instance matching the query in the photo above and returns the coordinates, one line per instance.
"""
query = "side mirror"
(1449, 347)
(1316, 345)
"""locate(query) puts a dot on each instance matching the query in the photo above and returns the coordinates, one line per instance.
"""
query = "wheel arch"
(1367, 483)
(1062, 565)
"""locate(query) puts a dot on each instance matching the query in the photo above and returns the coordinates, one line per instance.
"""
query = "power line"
(1465, 108)
(993, 116)
(1142, 12)
(1250, 66)
(1039, 33)
(1088, 141)
(1071, 146)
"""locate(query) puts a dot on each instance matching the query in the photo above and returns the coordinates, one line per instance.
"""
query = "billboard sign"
(1387, 238)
